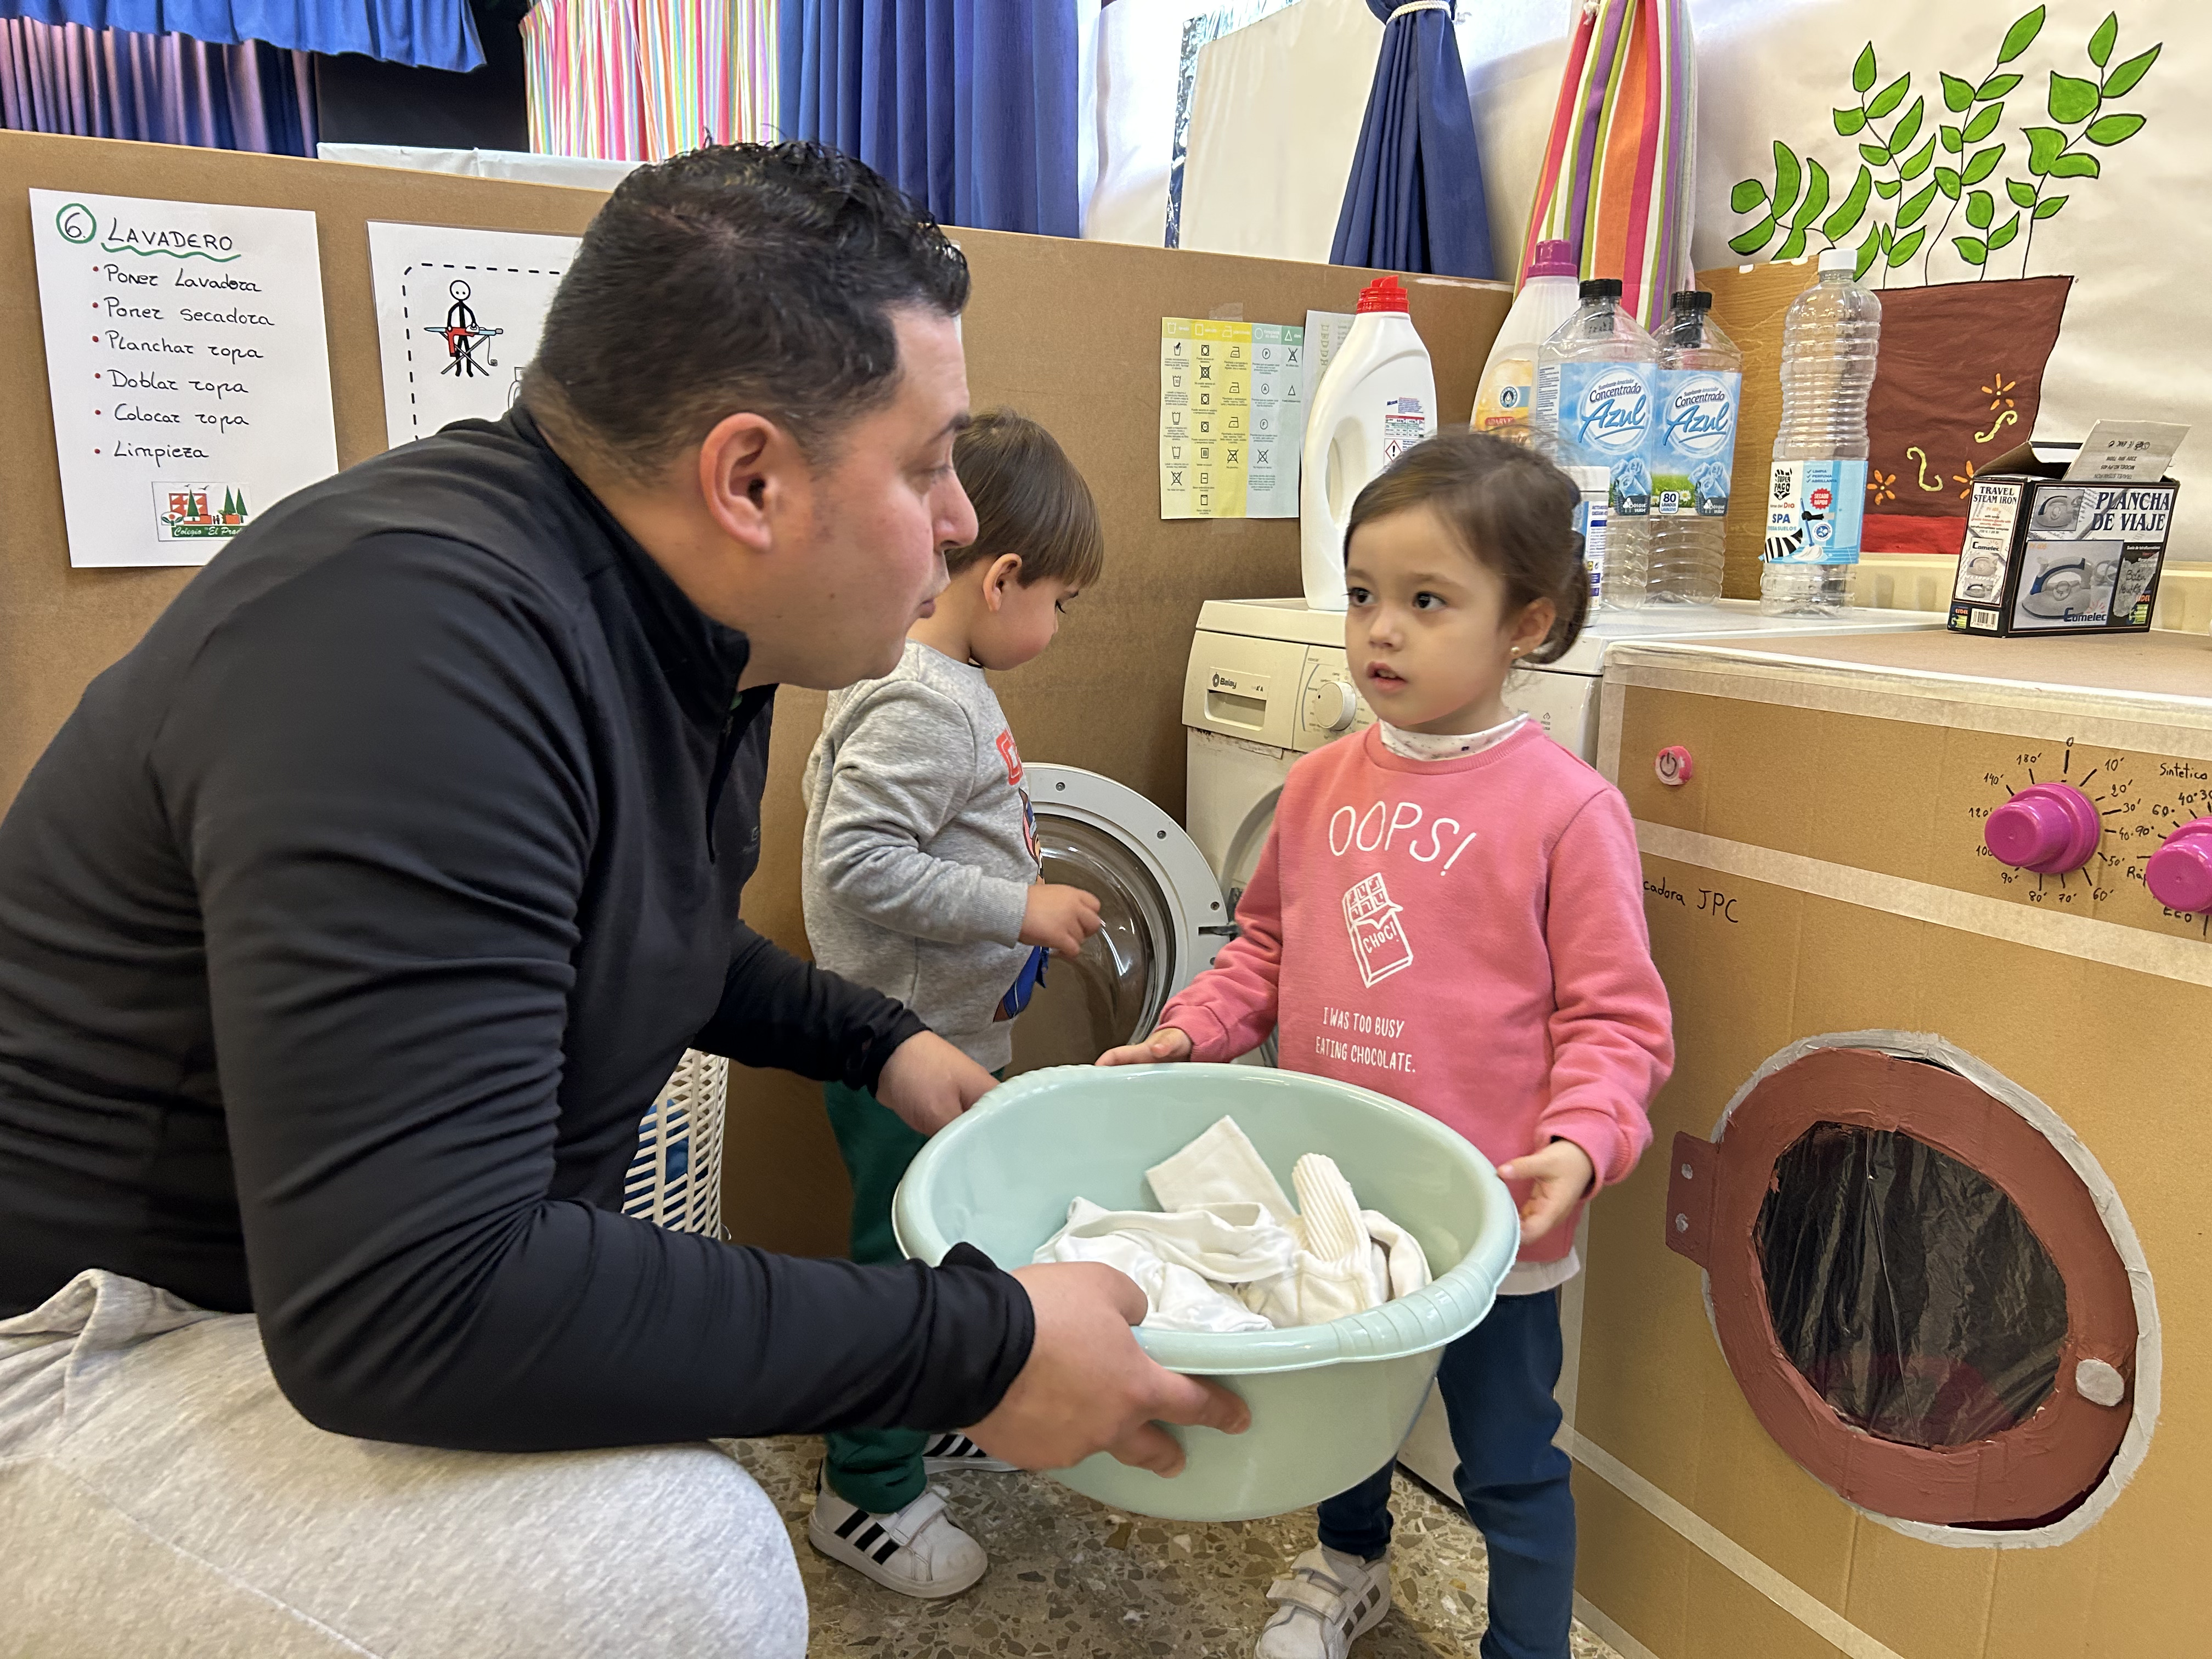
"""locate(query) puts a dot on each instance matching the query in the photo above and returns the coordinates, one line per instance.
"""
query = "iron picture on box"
(2043, 555)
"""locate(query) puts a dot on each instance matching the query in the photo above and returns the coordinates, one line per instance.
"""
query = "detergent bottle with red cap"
(1377, 400)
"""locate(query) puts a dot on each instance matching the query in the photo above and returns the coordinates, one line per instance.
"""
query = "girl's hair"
(1030, 500)
(1509, 508)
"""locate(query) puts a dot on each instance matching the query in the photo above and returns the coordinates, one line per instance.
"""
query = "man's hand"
(1561, 1173)
(1088, 1387)
(928, 1083)
(1059, 918)
(1165, 1044)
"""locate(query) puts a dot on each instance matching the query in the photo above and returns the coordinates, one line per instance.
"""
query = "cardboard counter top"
(2159, 664)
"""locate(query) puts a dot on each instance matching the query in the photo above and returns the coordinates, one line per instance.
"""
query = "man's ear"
(751, 474)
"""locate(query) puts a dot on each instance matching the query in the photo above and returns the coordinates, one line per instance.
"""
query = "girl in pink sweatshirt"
(1450, 910)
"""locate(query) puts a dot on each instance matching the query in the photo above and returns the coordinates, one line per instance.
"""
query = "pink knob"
(2179, 874)
(1674, 766)
(2048, 828)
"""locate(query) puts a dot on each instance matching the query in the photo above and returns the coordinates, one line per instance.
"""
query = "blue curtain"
(428, 33)
(967, 106)
(160, 88)
(1414, 201)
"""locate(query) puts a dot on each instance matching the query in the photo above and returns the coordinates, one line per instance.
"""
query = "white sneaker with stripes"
(1327, 1601)
(919, 1551)
(950, 1453)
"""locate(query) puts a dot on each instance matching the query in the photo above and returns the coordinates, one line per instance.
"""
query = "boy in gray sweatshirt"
(919, 873)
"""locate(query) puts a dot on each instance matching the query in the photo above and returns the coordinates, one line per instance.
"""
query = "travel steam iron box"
(2045, 554)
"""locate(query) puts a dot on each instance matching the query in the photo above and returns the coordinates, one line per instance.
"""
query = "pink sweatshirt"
(1464, 935)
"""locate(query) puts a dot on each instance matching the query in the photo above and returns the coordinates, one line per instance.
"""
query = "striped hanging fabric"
(642, 79)
(1621, 167)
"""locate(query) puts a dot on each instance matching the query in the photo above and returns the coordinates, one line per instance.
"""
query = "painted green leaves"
(1864, 72)
(1943, 146)
(2021, 35)
(1794, 203)
(2122, 80)
(1981, 205)
(2079, 102)
(1845, 219)
(2073, 98)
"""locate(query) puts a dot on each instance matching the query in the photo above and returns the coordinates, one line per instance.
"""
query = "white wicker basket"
(676, 1178)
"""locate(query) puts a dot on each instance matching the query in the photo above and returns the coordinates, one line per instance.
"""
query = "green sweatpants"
(879, 1469)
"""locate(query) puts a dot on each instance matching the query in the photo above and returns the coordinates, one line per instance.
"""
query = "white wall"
(1140, 45)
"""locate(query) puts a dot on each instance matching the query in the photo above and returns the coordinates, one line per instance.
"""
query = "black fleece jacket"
(346, 931)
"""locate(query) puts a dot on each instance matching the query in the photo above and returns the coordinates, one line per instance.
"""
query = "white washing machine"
(1163, 912)
(1269, 681)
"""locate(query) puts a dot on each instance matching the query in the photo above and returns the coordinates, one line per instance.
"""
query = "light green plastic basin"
(1330, 1403)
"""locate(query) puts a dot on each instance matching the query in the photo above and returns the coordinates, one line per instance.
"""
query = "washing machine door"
(1163, 912)
(1244, 849)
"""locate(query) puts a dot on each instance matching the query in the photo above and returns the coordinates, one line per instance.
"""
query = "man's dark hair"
(737, 277)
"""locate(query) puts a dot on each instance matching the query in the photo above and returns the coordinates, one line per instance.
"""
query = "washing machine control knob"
(1335, 705)
(2048, 828)
(2179, 874)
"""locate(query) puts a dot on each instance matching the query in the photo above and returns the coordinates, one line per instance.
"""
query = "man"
(352, 918)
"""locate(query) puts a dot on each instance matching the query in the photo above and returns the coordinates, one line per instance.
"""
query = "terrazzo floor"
(1070, 1577)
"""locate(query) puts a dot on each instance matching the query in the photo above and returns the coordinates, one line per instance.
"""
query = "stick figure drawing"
(462, 335)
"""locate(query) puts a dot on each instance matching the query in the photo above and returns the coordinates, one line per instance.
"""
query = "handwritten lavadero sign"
(188, 367)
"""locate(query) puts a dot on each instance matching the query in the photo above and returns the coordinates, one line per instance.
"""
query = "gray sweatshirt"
(920, 847)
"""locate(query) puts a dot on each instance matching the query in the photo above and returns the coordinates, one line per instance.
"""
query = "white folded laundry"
(1222, 1166)
(1227, 1251)
(1181, 1260)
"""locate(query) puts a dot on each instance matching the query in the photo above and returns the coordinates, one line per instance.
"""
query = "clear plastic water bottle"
(1816, 499)
(1693, 452)
(1597, 379)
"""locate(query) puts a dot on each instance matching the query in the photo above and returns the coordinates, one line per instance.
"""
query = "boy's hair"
(1030, 500)
(1509, 508)
(737, 277)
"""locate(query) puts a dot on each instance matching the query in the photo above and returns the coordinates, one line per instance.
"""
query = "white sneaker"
(1327, 1601)
(948, 1454)
(917, 1551)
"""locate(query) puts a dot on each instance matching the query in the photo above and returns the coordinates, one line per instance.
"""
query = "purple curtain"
(162, 89)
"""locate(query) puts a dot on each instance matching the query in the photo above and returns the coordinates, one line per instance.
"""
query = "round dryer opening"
(1162, 911)
(1927, 1290)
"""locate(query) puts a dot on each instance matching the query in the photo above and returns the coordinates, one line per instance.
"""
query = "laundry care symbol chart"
(1232, 418)
(458, 314)
(1378, 933)
(188, 366)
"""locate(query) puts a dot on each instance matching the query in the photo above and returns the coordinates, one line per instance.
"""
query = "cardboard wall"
(59, 626)
(1749, 302)
(1067, 332)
